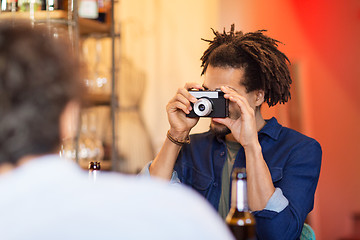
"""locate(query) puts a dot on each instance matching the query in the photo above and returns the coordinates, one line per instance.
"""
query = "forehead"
(216, 77)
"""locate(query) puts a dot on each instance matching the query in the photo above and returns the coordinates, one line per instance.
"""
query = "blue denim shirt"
(294, 162)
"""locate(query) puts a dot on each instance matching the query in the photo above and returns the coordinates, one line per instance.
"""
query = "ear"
(69, 120)
(259, 97)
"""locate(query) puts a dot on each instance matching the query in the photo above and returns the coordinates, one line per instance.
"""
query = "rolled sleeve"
(146, 173)
(277, 202)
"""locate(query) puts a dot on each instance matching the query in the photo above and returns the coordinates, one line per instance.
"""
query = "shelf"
(38, 15)
(96, 99)
(81, 27)
(93, 27)
(86, 26)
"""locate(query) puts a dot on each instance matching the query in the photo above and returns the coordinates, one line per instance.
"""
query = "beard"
(219, 130)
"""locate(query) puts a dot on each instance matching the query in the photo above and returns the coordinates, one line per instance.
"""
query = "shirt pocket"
(197, 180)
(276, 174)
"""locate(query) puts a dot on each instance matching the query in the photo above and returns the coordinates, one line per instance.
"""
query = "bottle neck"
(239, 195)
(94, 166)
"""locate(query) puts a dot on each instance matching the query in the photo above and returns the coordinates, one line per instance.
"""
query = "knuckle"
(168, 105)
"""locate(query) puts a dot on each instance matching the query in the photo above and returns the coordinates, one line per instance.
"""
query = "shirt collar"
(272, 128)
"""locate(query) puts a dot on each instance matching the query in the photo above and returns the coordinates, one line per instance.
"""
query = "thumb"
(224, 121)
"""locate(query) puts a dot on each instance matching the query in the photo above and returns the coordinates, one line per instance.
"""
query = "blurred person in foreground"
(46, 197)
(282, 165)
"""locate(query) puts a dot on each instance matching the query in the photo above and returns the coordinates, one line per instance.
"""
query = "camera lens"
(203, 107)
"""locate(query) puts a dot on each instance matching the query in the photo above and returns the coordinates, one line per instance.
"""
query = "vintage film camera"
(210, 104)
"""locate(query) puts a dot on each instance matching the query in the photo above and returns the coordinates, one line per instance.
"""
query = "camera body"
(210, 104)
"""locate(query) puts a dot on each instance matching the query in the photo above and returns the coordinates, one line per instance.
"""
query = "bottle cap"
(94, 166)
(239, 173)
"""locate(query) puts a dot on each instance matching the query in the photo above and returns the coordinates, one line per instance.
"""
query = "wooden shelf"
(86, 26)
(38, 15)
(92, 27)
(83, 27)
(96, 99)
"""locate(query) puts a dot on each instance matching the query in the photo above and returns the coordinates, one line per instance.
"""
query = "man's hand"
(243, 128)
(178, 107)
(180, 127)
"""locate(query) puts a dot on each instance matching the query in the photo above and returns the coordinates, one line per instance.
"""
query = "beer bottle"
(94, 168)
(239, 219)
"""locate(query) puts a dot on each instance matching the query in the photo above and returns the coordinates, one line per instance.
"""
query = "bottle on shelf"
(88, 9)
(101, 71)
(52, 5)
(104, 11)
(239, 219)
(98, 78)
(29, 5)
(89, 146)
(9, 6)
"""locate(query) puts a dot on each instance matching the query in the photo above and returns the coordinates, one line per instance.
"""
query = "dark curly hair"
(265, 66)
(39, 75)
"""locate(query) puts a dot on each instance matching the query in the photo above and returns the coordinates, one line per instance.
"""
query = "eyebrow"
(206, 88)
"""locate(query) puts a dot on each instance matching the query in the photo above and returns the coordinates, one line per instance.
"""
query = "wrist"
(179, 134)
(179, 139)
(253, 147)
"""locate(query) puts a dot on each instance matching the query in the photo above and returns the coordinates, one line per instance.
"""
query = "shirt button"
(222, 154)
(215, 184)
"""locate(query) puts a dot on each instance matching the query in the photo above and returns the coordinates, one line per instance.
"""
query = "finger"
(181, 98)
(241, 102)
(187, 95)
(247, 112)
(227, 89)
(230, 92)
(193, 85)
(225, 121)
(174, 106)
(234, 96)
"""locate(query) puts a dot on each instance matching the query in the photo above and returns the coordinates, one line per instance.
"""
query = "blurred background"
(157, 48)
(161, 41)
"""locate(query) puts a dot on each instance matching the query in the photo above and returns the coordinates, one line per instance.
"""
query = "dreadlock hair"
(265, 66)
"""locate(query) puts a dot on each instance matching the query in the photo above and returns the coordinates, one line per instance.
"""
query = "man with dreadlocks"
(45, 197)
(282, 165)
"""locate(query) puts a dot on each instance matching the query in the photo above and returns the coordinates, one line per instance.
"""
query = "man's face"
(215, 77)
